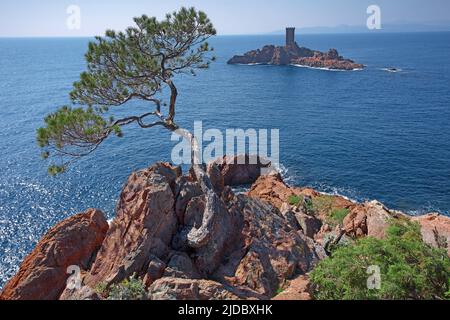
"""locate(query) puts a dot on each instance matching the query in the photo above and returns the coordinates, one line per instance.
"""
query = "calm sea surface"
(366, 134)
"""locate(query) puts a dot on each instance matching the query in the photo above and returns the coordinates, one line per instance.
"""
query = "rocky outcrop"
(370, 219)
(272, 189)
(253, 248)
(435, 230)
(239, 170)
(366, 219)
(262, 244)
(83, 293)
(143, 228)
(43, 273)
(188, 289)
(295, 55)
(330, 60)
(298, 289)
(269, 250)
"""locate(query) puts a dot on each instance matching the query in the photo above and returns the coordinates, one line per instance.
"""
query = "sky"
(48, 18)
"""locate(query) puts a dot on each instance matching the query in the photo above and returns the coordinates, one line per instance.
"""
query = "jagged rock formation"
(189, 289)
(251, 252)
(259, 244)
(435, 230)
(241, 169)
(142, 230)
(43, 273)
(364, 219)
(295, 55)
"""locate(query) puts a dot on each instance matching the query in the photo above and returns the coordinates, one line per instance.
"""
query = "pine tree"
(137, 64)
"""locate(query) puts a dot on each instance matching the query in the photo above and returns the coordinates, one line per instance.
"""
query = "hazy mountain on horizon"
(388, 27)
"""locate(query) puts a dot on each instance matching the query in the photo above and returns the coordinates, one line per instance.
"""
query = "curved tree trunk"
(198, 238)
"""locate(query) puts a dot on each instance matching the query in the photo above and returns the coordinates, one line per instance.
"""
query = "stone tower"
(290, 36)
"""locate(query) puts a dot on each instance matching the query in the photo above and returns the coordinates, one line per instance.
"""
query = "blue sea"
(368, 134)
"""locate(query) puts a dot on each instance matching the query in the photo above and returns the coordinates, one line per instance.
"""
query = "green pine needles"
(136, 64)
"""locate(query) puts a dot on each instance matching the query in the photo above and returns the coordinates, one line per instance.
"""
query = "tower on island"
(290, 36)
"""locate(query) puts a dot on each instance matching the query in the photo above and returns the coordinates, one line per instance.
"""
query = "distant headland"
(292, 54)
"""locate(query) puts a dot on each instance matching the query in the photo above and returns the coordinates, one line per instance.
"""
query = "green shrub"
(129, 289)
(308, 206)
(409, 268)
(279, 291)
(295, 200)
(337, 216)
(102, 289)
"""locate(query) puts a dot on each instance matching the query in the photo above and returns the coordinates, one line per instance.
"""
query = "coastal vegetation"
(409, 268)
(337, 215)
(129, 289)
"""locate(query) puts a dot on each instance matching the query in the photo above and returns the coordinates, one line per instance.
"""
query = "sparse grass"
(337, 215)
(129, 289)
(295, 200)
(102, 289)
(322, 204)
(279, 291)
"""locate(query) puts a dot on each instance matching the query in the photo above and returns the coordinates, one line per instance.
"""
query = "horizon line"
(272, 33)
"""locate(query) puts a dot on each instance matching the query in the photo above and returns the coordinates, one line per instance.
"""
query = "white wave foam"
(392, 70)
(251, 64)
(325, 69)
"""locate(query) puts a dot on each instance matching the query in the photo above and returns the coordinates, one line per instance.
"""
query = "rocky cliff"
(264, 241)
(295, 55)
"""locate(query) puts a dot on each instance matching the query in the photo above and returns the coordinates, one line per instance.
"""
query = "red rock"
(370, 219)
(43, 273)
(308, 224)
(435, 230)
(297, 289)
(378, 219)
(216, 177)
(180, 265)
(263, 56)
(241, 169)
(84, 293)
(155, 271)
(355, 223)
(269, 250)
(185, 191)
(272, 189)
(293, 54)
(143, 227)
(280, 56)
(169, 288)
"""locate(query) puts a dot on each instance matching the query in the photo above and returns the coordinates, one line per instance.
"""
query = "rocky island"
(271, 242)
(292, 54)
